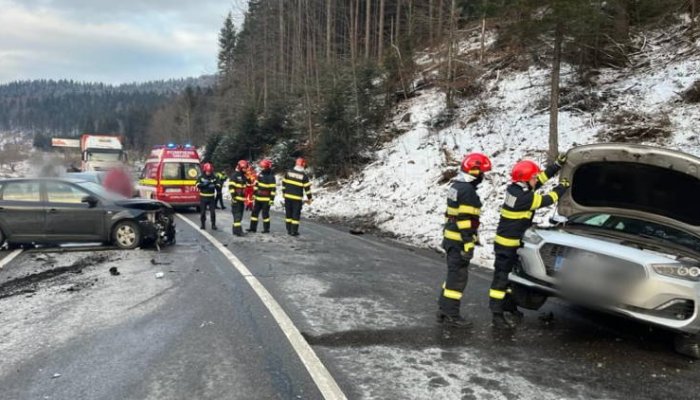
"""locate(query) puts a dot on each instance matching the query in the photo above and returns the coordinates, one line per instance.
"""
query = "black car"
(60, 210)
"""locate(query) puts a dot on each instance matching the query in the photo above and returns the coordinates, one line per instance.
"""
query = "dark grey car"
(61, 210)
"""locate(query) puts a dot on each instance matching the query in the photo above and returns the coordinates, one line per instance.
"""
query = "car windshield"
(104, 155)
(100, 191)
(632, 226)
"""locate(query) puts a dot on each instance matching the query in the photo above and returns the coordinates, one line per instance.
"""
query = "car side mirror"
(90, 200)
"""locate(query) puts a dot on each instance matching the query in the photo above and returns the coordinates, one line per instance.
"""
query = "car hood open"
(648, 183)
(143, 204)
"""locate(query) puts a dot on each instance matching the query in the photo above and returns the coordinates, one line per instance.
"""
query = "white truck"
(98, 152)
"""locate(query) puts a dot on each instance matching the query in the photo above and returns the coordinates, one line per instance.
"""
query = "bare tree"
(554, 95)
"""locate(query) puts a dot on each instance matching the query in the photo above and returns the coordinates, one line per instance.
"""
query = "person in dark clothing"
(517, 213)
(460, 236)
(206, 184)
(220, 181)
(236, 187)
(294, 185)
(265, 191)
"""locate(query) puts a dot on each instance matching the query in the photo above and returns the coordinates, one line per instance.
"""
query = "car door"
(22, 213)
(68, 217)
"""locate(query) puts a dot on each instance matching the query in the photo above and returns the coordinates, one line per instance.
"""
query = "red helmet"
(524, 170)
(476, 163)
(242, 165)
(266, 164)
(301, 162)
(207, 168)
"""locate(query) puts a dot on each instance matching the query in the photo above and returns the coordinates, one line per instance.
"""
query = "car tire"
(687, 344)
(528, 298)
(126, 235)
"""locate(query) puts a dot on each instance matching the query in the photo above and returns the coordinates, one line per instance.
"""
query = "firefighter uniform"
(236, 187)
(220, 181)
(460, 238)
(294, 185)
(265, 191)
(206, 183)
(517, 213)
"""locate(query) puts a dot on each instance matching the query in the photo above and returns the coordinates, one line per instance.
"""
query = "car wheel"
(688, 345)
(528, 298)
(126, 235)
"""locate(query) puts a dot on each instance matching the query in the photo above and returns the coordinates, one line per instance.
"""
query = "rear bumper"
(656, 299)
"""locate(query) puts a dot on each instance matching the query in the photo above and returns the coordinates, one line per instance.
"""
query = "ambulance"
(170, 175)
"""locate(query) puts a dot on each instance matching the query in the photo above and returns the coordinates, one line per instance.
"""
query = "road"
(365, 305)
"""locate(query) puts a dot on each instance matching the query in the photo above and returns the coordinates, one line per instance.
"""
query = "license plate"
(558, 263)
(173, 190)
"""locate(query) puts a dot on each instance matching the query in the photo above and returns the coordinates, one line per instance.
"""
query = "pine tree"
(227, 46)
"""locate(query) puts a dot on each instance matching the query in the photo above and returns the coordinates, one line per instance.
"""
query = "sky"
(110, 41)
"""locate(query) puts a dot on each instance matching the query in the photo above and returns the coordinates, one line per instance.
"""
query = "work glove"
(466, 256)
(477, 242)
(565, 183)
(561, 160)
(309, 201)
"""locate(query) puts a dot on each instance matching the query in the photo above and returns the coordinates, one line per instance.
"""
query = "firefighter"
(517, 213)
(220, 181)
(294, 185)
(236, 187)
(206, 183)
(265, 191)
(460, 235)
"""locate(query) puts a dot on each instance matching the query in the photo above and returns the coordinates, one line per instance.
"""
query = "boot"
(295, 230)
(455, 321)
(503, 321)
(201, 226)
(266, 227)
(214, 228)
(289, 228)
(253, 226)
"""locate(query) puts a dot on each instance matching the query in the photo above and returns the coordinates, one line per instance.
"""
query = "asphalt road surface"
(365, 306)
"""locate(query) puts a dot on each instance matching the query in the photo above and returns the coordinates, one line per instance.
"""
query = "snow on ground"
(400, 190)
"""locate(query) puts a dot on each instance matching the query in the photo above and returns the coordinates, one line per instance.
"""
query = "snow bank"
(400, 190)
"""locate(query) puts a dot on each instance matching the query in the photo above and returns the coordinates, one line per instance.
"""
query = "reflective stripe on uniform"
(452, 294)
(504, 241)
(237, 185)
(554, 196)
(237, 224)
(469, 210)
(542, 177)
(288, 220)
(292, 197)
(258, 198)
(536, 201)
(515, 214)
(293, 182)
(308, 184)
(254, 219)
(266, 220)
(469, 247)
(464, 224)
(452, 211)
(207, 194)
(497, 294)
(239, 198)
(452, 235)
(294, 222)
(266, 185)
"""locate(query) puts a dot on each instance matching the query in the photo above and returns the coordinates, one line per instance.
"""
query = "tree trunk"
(554, 95)
(450, 56)
(281, 45)
(380, 36)
(368, 24)
(431, 16)
(483, 34)
(397, 25)
(329, 27)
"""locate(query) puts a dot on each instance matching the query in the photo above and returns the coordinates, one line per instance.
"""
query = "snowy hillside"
(401, 193)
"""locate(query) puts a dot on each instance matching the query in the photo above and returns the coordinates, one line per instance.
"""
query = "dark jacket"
(236, 186)
(519, 207)
(266, 187)
(206, 185)
(462, 216)
(295, 184)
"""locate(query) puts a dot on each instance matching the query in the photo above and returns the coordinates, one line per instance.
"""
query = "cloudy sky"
(112, 41)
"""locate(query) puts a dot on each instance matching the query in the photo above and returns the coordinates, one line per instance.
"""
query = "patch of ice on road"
(333, 314)
(381, 372)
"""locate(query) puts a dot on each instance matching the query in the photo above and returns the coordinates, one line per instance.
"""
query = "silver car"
(628, 240)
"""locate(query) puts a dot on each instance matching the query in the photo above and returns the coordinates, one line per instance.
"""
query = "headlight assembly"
(532, 237)
(689, 273)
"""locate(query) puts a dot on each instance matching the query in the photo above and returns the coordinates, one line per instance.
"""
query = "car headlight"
(532, 237)
(686, 272)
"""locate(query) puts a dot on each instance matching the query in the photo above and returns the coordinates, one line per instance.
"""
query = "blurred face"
(532, 182)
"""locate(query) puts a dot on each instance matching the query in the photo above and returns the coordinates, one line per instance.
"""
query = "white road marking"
(9, 258)
(324, 381)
